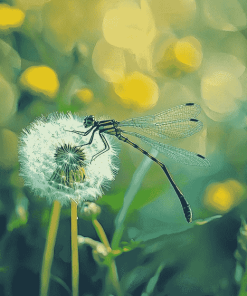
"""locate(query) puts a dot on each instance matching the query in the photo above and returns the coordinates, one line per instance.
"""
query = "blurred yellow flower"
(175, 13)
(181, 55)
(219, 91)
(188, 54)
(10, 17)
(221, 197)
(41, 79)
(130, 26)
(85, 95)
(138, 91)
(108, 61)
(220, 85)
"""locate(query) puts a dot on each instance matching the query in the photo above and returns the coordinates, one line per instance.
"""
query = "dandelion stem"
(49, 249)
(74, 250)
(113, 276)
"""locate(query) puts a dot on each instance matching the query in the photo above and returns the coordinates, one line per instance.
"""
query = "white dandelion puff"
(54, 165)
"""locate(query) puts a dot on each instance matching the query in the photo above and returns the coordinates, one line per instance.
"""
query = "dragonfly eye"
(89, 121)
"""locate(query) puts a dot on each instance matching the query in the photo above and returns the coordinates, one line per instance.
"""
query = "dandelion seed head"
(54, 165)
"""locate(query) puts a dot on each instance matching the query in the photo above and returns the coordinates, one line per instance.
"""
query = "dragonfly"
(175, 123)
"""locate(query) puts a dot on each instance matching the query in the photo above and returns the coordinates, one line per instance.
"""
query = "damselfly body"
(175, 123)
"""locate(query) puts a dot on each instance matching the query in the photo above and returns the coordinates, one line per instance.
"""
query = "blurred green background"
(122, 59)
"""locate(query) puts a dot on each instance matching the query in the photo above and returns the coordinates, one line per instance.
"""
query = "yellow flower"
(188, 54)
(181, 55)
(137, 90)
(85, 95)
(41, 79)
(173, 13)
(108, 61)
(221, 197)
(130, 26)
(10, 17)
(221, 85)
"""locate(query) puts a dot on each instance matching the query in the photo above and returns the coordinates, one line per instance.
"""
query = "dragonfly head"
(89, 121)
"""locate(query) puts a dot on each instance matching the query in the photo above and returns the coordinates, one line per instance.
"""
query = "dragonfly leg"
(184, 203)
(90, 140)
(81, 133)
(107, 147)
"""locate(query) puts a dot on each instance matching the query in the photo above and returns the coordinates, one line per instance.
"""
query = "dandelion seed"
(54, 165)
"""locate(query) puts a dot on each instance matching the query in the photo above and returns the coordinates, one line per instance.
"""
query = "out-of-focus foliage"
(122, 59)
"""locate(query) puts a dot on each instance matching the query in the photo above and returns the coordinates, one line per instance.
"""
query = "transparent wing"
(173, 130)
(174, 123)
(181, 112)
(178, 154)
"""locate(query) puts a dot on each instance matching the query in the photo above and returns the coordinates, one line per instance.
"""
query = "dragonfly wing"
(173, 130)
(178, 154)
(181, 112)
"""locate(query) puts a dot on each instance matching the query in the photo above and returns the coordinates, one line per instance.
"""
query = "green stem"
(101, 233)
(74, 250)
(113, 276)
(153, 281)
(129, 196)
(49, 249)
(61, 282)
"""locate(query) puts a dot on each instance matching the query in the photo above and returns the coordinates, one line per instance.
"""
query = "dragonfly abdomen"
(184, 203)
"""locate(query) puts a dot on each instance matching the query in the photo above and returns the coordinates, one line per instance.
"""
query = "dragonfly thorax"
(89, 121)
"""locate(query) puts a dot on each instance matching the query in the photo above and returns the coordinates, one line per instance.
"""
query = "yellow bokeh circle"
(41, 79)
(188, 53)
(10, 17)
(181, 55)
(221, 197)
(137, 91)
(85, 95)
